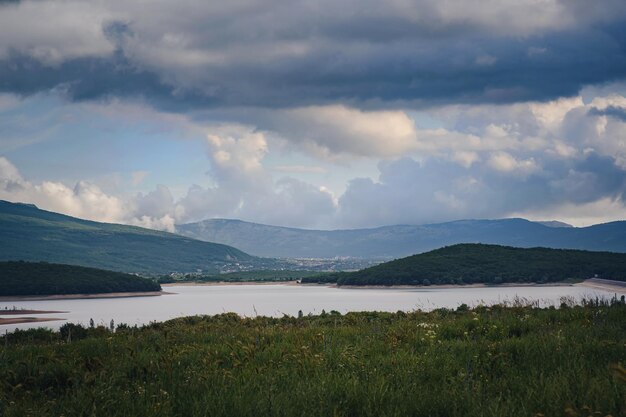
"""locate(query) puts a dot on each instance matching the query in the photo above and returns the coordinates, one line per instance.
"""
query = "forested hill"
(477, 263)
(30, 234)
(30, 278)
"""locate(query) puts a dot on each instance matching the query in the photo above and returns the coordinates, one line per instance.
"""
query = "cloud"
(476, 161)
(85, 200)
(412, 192)
(587, 214)
(293, 203)
(504, 162)
(138, 177)
(270, 54)
(244, 188)
(611, 111)
(52, 32)
(300, 169)
(9, 173)
(236, 154)
(332, 130)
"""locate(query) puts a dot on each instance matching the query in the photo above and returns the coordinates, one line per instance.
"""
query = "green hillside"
(30, 234)
(28, 278)
(477, 263)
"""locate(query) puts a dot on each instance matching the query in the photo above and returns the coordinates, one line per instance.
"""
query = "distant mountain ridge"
(30, 234)
(404, 240)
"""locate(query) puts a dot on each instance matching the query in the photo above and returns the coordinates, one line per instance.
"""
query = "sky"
(315, 114)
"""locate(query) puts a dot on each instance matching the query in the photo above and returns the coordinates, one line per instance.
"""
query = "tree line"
(41, 278)
(491, 264)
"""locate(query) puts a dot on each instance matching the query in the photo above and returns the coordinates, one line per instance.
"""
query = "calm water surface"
(279, 299)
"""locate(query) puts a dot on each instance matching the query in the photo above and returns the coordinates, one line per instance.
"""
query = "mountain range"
(404, 240)
(30, 234)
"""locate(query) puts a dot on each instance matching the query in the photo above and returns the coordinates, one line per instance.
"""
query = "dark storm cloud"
(299, 54)
(93, 79)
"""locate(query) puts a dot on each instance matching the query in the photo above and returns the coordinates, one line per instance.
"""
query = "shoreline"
(595, 283)
(453, 286)
(22, 320)
(28, 311)
(82, 296)
(215, 283)
(604, 284)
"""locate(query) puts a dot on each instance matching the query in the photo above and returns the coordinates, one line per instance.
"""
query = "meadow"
(515, 360)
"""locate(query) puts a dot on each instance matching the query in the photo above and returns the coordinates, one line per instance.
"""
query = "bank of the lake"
(277, 300)
(222, 283)
(83, 296)
(599, 284)
(605, 285)
(24, 320)
(16, 312)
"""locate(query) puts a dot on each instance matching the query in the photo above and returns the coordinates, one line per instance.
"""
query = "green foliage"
(330, 278)
(498, 361)
(31, 234)
(27, 278)
(492, 264)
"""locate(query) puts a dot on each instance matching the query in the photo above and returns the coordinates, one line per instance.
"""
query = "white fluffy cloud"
(504, 162)
(244, 188)
(337, 129)
(539, 159)
(86, 200)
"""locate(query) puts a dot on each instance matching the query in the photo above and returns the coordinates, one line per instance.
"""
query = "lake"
(279, 299)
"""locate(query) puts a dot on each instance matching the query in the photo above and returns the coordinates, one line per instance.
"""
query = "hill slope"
(29, 278)
(30, 234)
(403, 240)
(477, 263)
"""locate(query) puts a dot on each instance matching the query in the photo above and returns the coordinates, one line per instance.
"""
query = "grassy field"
(498, 361)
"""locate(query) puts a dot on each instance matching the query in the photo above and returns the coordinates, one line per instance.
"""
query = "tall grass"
(498, 361)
